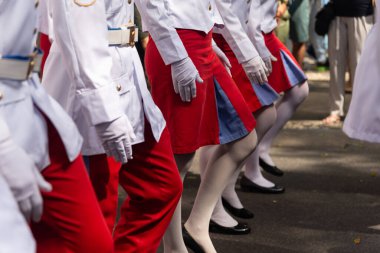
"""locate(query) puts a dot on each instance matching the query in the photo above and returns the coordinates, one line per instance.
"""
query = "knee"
(244, 147)
(299, 93)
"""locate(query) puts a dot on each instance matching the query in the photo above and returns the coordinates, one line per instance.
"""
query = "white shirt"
(162, 17)
(128, 72)
(25, 104)
(260, 17)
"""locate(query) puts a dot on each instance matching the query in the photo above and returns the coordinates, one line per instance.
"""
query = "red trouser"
(72, 221)
(154, 187)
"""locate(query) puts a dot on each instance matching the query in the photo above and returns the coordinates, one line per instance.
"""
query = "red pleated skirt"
(286, 71)
(217, 115)
(255, 95)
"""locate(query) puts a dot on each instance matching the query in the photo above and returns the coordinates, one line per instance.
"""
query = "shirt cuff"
(100, 105)
(244, 50)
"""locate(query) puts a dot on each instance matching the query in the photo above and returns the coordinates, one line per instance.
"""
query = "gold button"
(129, 1)
(209, 7)
(1, 96)
(118, 87)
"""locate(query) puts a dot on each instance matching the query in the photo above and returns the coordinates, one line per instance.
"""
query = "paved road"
(332, 194)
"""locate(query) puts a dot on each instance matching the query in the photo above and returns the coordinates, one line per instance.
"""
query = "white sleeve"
(155, 17)
(254, 32)
(234, 33)
(4, 131)
(80, 33)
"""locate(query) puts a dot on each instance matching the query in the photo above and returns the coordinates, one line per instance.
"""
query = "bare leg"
(225, 161)
(173, 241)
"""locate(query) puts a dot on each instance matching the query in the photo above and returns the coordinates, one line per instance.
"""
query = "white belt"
(123, 36)
(19, 69)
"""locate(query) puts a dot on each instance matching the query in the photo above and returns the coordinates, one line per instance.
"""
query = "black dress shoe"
(239, 229)
(270, 169)
(190, 242)
(238, 212)
(249, 186)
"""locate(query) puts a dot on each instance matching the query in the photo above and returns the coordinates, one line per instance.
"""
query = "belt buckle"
(31, 64)
(132, 35)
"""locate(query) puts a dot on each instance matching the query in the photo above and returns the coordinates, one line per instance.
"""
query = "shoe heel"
(190, 242)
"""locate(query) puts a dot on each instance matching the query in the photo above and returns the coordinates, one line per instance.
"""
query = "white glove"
(222, 56)
(256, 70)
(268, 62)
(116, 138)
(184, 75)
(23, 178)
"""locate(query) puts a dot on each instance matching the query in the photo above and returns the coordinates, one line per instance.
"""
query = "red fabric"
(72, 221)
(239, 75)
(45, 47)
(278, 79)
(154, 188)
(195, 124)
(104, 175)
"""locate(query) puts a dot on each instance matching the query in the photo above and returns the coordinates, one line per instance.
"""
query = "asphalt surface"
(331, 203)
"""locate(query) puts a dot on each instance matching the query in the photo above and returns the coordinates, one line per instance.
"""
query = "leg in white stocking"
(173, 241)
(265, 119)
(225, 161)
(220, 216)
(286, 107)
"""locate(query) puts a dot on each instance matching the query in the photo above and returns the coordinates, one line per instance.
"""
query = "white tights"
(268, 127)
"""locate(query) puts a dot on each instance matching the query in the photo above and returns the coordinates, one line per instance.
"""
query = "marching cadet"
(151, 178)
(260, 98)
(72, 221)
(200, 101)
(19, 183)
(288, 78)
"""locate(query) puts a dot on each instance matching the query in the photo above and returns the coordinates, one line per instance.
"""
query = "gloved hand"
(184, 75)
(116, 138)
(222, 56)
(256, 70)
(23, 178)
(268, 62)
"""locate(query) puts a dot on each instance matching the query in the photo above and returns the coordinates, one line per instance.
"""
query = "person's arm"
(254, 32)
(173, 52)
(154, 14)
(241, 45)
(81, 35)
(80, 32)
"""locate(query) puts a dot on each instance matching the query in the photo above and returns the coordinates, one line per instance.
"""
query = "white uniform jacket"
(262, 18)
(78, 69)
(162, 17)
(15, 235)
(25, 104)
(128, 75)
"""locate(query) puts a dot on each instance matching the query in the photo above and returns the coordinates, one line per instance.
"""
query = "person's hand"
(23, 178)
(222, 56)
(268, 62)
(116, 138)
(256, 70)
(184, 76)
(144, 42)
(281, 9)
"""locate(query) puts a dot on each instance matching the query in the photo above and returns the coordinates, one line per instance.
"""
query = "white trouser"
(346, 40)
(15, 235)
